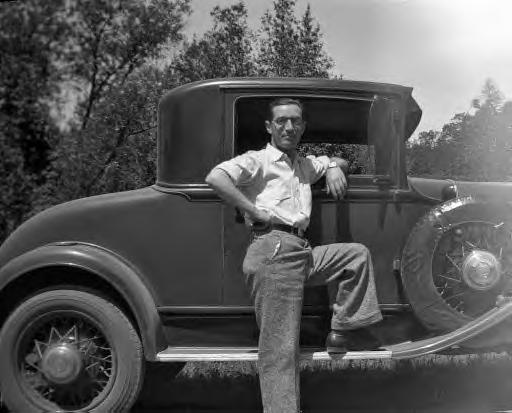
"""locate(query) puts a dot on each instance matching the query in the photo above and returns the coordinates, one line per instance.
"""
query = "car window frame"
(356, 181)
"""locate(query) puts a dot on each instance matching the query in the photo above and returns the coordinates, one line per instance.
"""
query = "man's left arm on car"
(336, 182)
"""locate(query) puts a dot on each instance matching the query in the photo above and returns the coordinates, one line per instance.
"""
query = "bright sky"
(444, 49)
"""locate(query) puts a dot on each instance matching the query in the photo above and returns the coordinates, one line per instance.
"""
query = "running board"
(173, 354)
(396, 351)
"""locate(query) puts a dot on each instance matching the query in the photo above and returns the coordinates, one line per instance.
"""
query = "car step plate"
(251, 354)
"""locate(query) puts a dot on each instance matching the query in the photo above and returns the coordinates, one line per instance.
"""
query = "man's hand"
(261, 218)
(336, 183)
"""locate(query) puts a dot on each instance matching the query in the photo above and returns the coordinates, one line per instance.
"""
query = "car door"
(377, 211)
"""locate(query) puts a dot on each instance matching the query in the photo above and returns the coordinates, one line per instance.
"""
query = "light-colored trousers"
(277, 266)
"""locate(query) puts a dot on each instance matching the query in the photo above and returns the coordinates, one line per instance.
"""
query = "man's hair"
(281, 102)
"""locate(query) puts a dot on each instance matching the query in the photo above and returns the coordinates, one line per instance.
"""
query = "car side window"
(335, 126)
(360, 157)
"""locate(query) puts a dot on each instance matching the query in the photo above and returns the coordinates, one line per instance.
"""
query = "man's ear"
(268, 126)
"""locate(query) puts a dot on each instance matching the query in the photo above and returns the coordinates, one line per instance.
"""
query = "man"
(272, 188)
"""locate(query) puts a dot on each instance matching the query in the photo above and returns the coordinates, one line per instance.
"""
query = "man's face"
(286, 127)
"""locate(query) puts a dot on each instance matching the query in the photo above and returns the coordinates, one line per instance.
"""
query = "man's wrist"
(340, 163)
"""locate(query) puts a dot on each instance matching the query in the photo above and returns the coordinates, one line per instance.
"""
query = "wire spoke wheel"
(468, 269)
(69, 350)
(457, 262)
(67, 360)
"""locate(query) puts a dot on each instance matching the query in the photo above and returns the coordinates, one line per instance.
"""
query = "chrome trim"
(174, 354)
(481, 270)
(462, 334)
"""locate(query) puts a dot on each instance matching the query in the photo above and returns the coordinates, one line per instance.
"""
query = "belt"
(281, 227)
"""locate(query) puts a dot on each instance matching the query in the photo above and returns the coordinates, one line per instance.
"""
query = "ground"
(430, 384)
(440, 384)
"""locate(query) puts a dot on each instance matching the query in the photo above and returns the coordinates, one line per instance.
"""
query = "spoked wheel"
(458, 262)
(67, 350)
(469, 269)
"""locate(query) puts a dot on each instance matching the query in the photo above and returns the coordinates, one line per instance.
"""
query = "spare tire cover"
(457, 261)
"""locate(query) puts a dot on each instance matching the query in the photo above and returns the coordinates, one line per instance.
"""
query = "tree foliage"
(284, 45)
(28, 78)
(99, 48)
(117, 149)
(224, 50)
(472, 146)
(115, 114)
(290, 46)
(109, 39)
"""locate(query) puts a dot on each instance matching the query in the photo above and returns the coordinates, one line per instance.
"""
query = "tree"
(471, 146)
(109, 39)
(95, 46)
(313, 61)
(289, 47)
(27, 83)
(115, 39)
(116, 151)
(223, 51)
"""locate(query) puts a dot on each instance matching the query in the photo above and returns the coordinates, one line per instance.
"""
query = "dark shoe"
(351, 340)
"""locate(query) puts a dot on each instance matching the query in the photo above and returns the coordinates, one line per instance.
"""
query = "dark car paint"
(142, 227)
(185, 247)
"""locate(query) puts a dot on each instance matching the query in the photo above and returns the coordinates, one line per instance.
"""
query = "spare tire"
(457, 261)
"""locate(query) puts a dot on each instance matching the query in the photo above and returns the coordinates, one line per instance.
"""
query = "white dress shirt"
(270, 180)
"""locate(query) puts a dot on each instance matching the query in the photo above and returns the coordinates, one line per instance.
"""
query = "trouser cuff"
(353, 324)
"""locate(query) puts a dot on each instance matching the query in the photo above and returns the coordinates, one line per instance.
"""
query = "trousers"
(277, 266)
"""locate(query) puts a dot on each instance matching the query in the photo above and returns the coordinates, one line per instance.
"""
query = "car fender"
(109, 266)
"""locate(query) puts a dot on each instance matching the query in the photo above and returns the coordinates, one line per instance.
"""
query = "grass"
(436, 383)
(430, 384)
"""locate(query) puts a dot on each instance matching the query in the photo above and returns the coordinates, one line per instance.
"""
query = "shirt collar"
(274, 153)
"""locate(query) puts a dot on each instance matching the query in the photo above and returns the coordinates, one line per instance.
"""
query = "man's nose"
(289, 124)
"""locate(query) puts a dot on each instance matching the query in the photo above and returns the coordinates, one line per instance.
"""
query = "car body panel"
(141, 227)
(185, 246)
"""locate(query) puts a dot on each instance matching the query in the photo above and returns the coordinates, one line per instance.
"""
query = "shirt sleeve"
(241, 169)
(316, 167)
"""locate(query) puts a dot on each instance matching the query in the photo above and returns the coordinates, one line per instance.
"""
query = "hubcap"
(481, 270)
(61, 364)
(470, 265)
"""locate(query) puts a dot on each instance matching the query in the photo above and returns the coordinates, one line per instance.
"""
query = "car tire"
(69, 350)
(444, 292)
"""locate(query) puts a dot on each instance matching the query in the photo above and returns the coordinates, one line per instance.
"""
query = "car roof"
(298, 83)
(412, 110)
(192, 120)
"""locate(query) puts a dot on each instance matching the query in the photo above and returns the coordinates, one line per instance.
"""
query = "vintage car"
(93, 289)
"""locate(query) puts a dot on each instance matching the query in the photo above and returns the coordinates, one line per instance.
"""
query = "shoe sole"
(337, 350)
(342, 350)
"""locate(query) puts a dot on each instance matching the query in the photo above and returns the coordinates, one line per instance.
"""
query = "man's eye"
(283, 121)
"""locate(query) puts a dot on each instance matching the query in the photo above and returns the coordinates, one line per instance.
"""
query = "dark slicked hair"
(281, 102)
